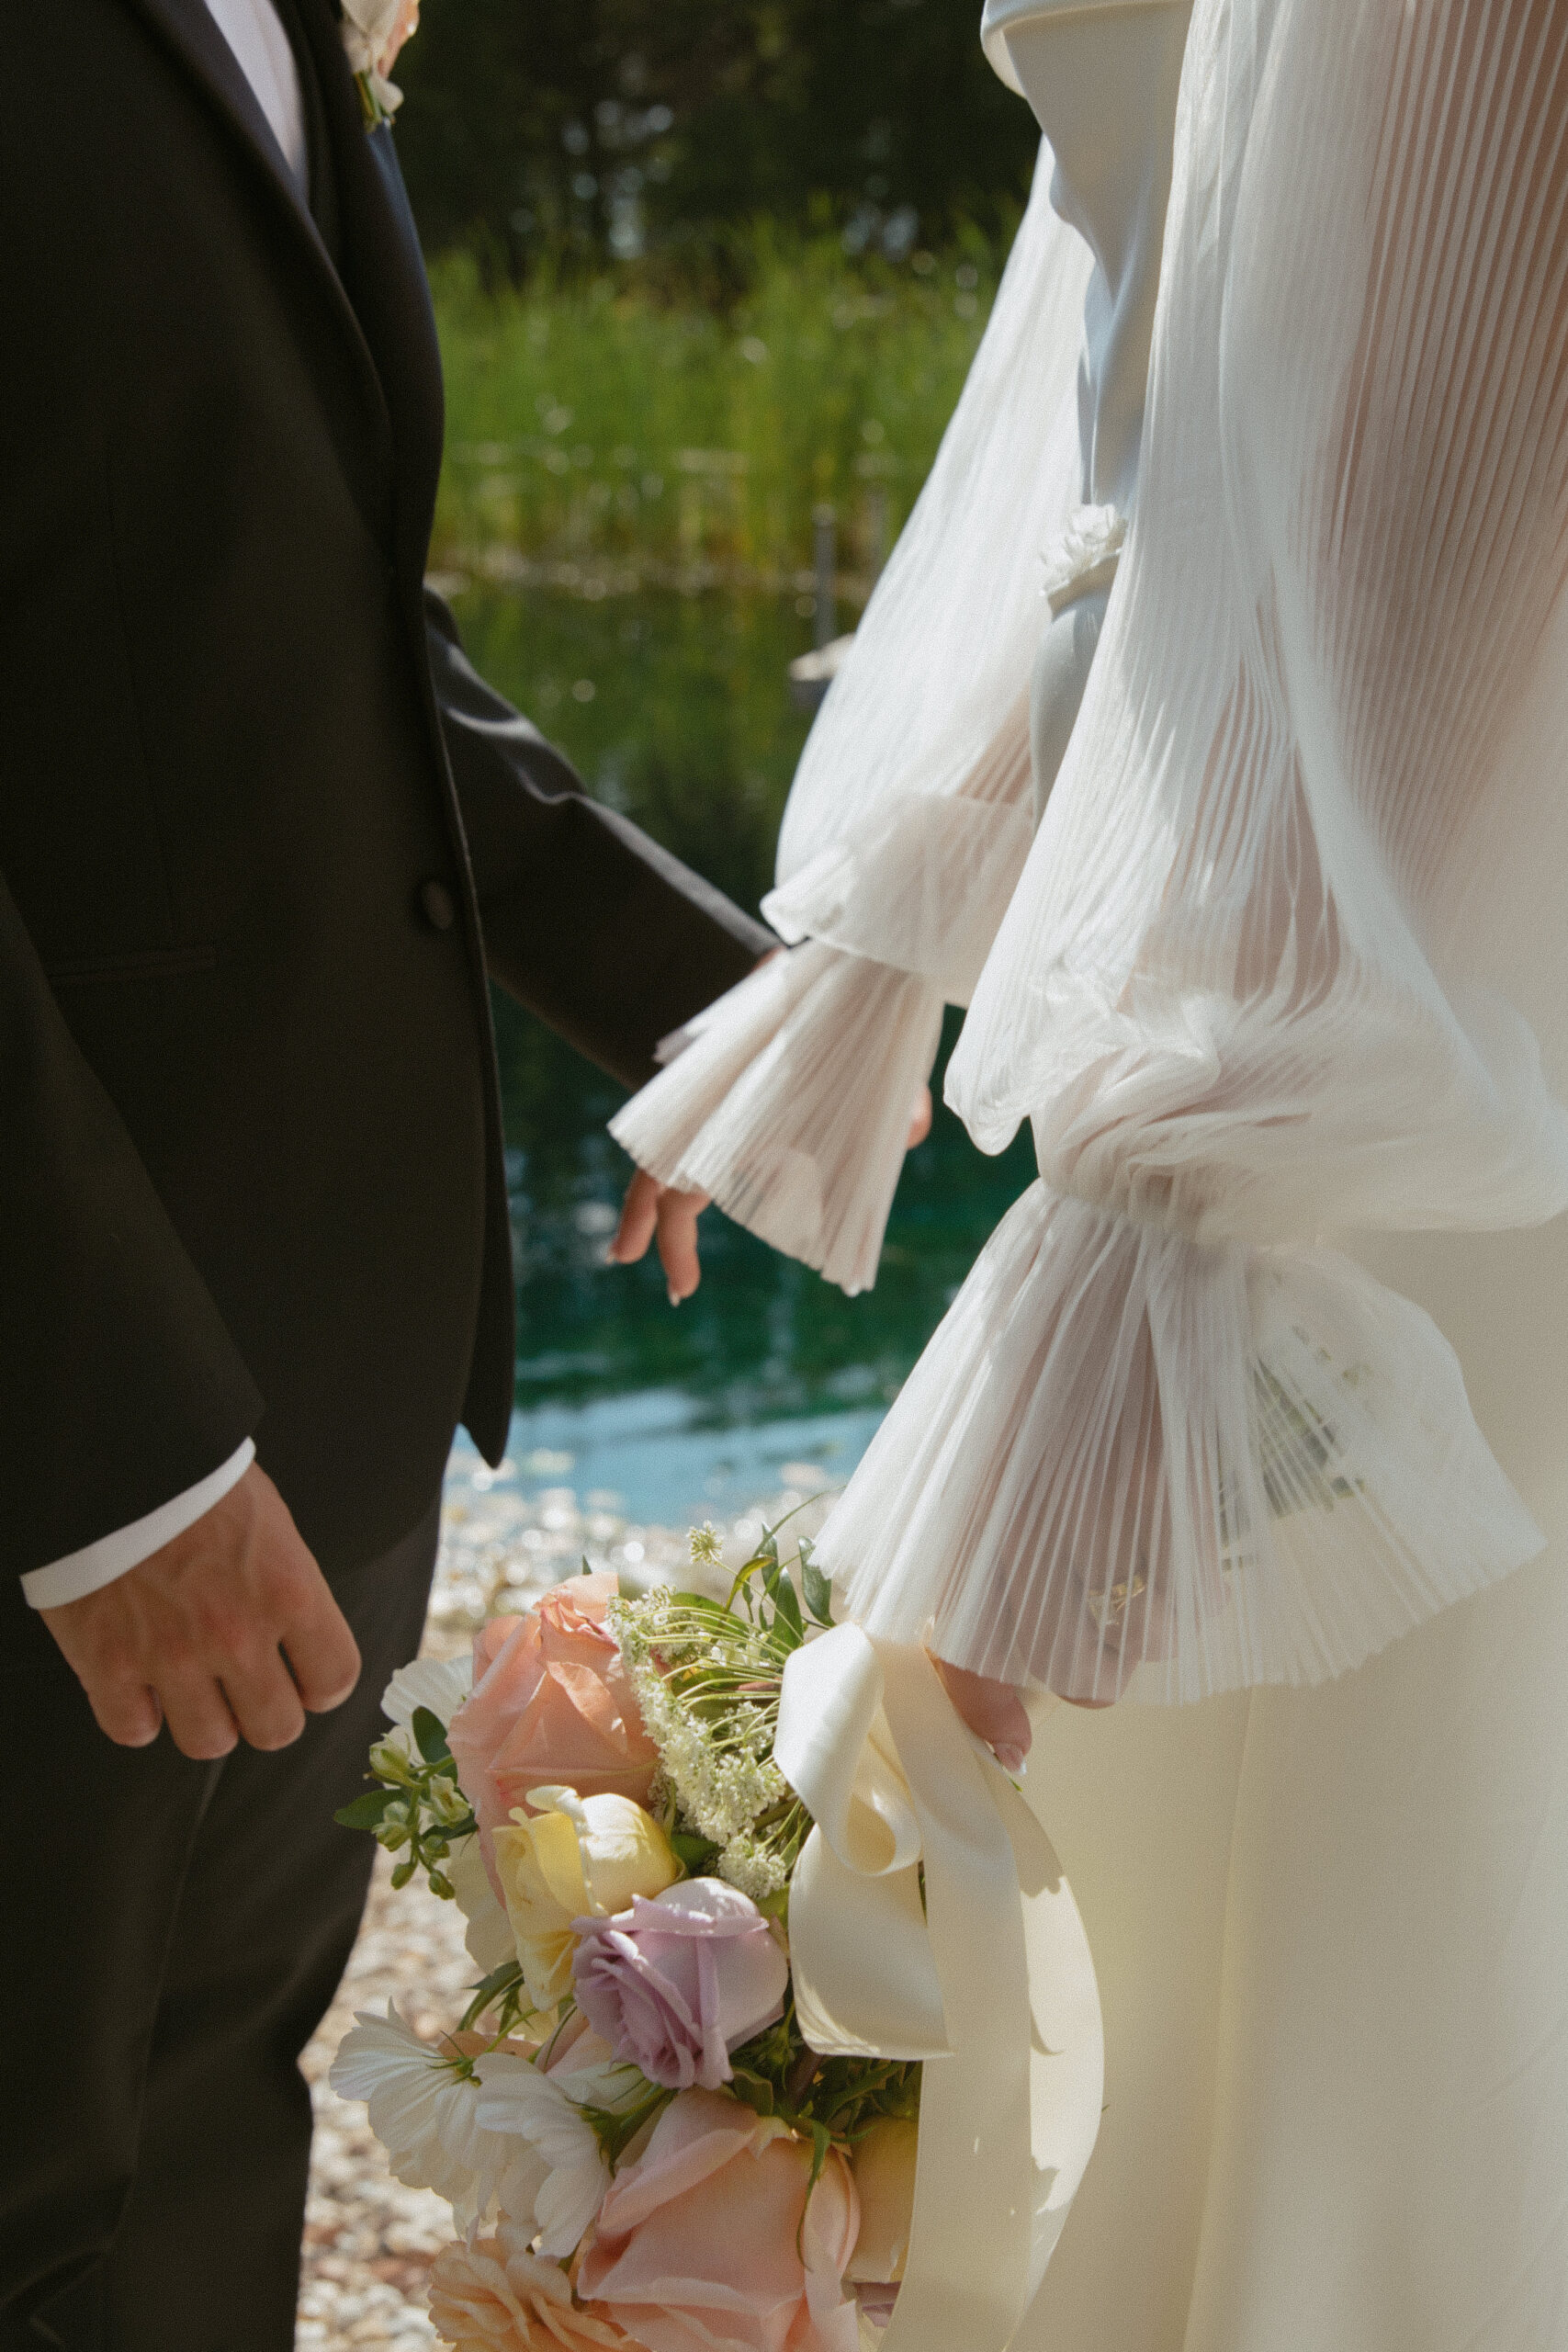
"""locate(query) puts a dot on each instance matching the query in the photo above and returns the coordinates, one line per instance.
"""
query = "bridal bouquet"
(637, 2143)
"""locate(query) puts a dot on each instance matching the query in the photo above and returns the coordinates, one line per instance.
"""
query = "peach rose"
(495, 2296)
(551, 1703)
(707, 2243)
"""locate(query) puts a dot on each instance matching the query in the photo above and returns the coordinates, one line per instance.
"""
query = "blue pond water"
(675, 710)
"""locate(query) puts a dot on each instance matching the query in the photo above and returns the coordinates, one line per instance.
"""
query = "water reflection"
(676, 709)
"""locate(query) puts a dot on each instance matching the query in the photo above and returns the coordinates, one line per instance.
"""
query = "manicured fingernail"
(674, 1295)
(1011, 1758)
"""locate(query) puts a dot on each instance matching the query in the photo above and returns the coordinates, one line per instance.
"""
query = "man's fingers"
(678, 1215)
(324, 1655)
(199, 1717)
(639, 1215)
(125, 1713)
(265, 1701)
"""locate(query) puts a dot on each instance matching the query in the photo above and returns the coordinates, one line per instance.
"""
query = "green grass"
(592, 424)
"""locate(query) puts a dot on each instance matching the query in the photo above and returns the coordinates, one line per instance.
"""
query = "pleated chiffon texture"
(1168, 1439)
(908, 821)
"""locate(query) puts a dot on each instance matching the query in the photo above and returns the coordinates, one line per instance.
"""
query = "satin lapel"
(187, 28)
(385, 272)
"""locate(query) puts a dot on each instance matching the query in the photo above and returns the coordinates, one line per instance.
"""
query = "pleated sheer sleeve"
(908, 821)
(1168, 1438)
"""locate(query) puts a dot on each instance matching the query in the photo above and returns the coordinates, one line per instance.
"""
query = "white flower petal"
(424, 2111)
(569, 2204)
(611, 2083)
(376, 19)
(489, 1939)
(439, 1683)
(516, 2097)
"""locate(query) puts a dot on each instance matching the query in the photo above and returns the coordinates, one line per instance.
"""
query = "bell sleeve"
(908, 823)
(1169, 1439)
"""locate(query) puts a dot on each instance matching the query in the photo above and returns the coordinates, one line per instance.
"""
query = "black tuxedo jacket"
(262, 828)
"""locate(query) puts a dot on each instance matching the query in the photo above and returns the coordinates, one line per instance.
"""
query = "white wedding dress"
(1260, 1397)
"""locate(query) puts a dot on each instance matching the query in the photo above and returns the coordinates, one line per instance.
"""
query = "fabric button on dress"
(438, 905)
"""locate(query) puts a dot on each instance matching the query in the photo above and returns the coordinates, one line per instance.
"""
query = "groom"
(262, 833)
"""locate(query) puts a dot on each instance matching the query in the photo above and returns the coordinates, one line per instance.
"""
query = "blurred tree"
(568, 132)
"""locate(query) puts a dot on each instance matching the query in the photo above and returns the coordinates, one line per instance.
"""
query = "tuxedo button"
(436, 905)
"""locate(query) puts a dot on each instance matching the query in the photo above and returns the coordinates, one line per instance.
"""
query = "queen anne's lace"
(719, 1768)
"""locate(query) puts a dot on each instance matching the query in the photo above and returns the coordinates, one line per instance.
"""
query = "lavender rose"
(674, 1983)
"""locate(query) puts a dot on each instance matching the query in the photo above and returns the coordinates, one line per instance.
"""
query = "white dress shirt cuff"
(99, 1563)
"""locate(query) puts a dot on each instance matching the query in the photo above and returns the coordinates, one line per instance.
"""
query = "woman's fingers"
(639, 1217)
(678, 1215)
(651, 1208)
(919, 1119)
(993, 1710)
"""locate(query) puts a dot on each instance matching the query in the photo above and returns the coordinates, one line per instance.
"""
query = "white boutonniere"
(373, 32)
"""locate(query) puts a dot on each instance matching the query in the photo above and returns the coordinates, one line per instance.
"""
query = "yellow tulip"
(883, 2162)
(574, 1857)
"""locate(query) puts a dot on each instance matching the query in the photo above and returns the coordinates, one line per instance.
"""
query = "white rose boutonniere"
(373, 32)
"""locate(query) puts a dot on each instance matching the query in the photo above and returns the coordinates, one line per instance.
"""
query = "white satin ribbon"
(990, 1984)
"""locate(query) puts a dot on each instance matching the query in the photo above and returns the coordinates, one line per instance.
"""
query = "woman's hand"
(995, 1711)
(652, 1208)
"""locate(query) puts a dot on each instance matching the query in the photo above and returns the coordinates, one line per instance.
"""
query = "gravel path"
(369, 2241)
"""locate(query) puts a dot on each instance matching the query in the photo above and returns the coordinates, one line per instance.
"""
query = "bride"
(1242, 843)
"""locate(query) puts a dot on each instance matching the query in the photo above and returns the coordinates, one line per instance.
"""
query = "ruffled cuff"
(790, 1103)
(1126, 1450)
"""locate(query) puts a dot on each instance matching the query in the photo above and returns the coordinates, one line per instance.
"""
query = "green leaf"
(757, 2094)
(430, 1735)
(818, 1588)
(695, 1853)
(505, 1979)
(786, 1602)
(365, 1811)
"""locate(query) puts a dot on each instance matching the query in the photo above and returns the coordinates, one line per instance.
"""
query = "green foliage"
(707, 1676)
(818, 1587)
(417, 1809)
(834, 2099)
(617, 2127)
(589, 428)
(502, 1997)
(574, 134)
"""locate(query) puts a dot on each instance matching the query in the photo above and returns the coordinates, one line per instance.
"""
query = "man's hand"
(229, 1633)
(651, 1207)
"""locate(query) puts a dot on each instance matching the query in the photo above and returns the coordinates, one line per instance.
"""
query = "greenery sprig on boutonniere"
(373, 33)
